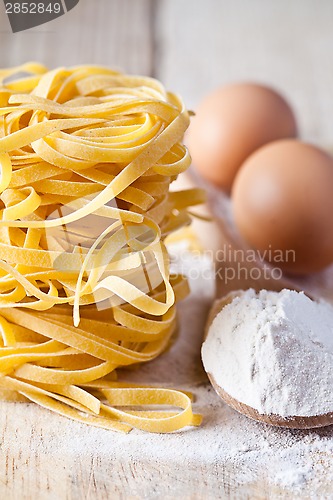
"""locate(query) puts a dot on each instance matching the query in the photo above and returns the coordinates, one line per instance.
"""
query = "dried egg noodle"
(87, 156)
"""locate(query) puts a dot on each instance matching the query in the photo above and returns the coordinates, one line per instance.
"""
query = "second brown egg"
(282, 201)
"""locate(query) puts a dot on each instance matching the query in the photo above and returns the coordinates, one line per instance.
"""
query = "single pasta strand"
(87, 155)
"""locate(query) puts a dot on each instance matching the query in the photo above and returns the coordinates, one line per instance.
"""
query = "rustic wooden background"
(195, 45)
(192, 46)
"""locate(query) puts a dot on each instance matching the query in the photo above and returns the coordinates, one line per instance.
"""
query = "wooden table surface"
(191, 46)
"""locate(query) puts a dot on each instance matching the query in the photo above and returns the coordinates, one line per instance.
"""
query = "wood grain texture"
(117, 33)
(45, 456)
(192, 46)
(201, 45)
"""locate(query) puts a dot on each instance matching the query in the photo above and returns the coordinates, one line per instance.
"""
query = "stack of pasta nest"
(87, 156)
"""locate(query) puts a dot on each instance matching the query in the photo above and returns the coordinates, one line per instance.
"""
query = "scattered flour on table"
(227, 449)
(274, 352)
(228, 445)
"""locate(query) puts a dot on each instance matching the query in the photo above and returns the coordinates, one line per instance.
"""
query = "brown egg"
(231, 123)
(283, 205)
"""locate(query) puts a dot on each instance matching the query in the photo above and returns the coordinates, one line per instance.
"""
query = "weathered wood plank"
(109, 32)
(47, 457)
(201, 45)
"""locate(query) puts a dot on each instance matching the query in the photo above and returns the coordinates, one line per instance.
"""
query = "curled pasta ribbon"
(87, 155)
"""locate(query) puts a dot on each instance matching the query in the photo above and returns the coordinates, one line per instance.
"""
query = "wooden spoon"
(293, 422)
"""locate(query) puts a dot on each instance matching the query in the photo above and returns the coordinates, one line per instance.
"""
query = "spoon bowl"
(292, 422)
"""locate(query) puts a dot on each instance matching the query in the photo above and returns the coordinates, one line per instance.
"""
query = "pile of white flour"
(274, 352)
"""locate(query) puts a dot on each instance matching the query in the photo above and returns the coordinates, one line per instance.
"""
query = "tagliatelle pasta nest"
(87, 156)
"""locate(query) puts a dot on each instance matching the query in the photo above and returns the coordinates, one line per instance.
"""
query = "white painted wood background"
(195, 45)
(192, 46)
